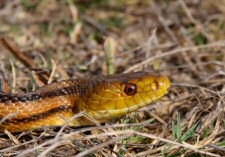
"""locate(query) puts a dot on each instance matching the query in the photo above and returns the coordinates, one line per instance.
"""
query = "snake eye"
(130, 89)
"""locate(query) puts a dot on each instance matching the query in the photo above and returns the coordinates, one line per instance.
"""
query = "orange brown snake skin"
(103, 98)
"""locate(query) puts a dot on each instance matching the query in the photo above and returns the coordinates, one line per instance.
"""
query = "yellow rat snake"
(103, 98)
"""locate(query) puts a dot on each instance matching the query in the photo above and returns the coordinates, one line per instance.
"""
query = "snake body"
(103, 98)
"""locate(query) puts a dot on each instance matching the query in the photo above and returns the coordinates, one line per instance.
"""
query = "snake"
(103, 98)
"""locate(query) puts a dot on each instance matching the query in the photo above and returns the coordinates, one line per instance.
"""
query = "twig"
(110, 48)
(4, 87)
(216, 147)
(53, 71)
(93, 149)
(14, 76)
(196, 86)
(194, 21)
(172, 52)
(53, 146)
(131, 132)
(11, 46)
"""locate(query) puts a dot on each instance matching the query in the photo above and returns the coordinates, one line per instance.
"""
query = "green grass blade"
(189, 133)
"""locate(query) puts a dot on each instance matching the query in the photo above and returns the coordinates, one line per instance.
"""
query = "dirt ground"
(51, 40)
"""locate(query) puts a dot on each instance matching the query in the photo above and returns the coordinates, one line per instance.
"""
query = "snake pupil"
(130, 89)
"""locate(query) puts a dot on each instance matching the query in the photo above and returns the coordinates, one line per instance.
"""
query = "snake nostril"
(159, 83)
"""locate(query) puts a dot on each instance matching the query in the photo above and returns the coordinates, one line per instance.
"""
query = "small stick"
(109, 47)
(176, 51)
(24, 59)
(4, 87)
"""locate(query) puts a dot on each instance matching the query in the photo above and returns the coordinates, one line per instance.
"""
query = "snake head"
(114, 96)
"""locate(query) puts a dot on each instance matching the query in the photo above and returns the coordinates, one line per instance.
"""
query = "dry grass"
(181, 39)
